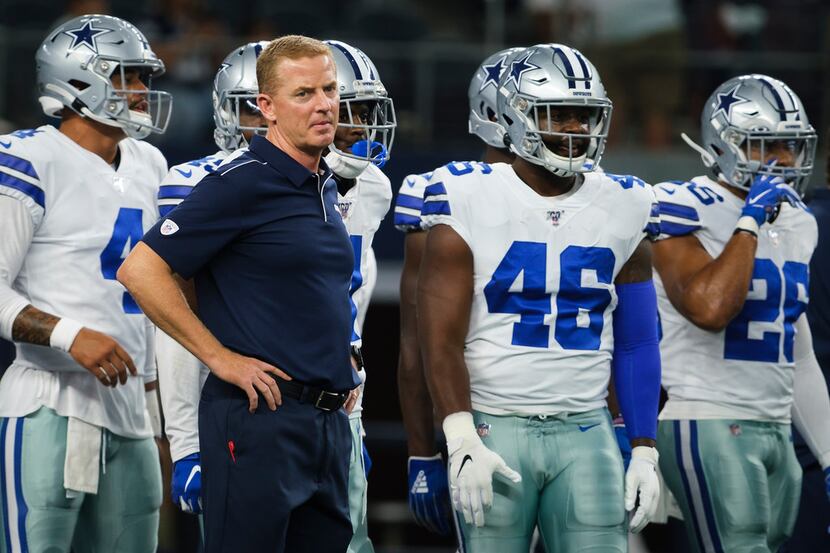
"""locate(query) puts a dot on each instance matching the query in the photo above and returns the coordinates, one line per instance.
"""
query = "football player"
(80, 467)
(535, 281)
(428, 492)
(361, 146)
(181, 375)
(732, 280)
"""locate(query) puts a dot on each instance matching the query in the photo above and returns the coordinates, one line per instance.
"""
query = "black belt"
(321, 399)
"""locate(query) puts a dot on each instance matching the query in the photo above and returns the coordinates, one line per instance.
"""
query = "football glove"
(429, 494)
(186, 488)
(641, 480)
(765, 196)
(622, 441)
(471, 468)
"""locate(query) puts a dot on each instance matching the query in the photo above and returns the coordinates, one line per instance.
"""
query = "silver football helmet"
(76, 65)
(540, 81)
(482, 95)
(367, 107)
(234, 91)
(740, 122)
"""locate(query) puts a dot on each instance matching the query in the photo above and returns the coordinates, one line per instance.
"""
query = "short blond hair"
(286, 47)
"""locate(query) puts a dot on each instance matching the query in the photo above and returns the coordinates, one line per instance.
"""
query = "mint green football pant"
(572, 486)
(737, 482)
(122, 517)
(357, 492)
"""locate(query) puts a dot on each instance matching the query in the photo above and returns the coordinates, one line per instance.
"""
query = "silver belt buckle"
(323, 394)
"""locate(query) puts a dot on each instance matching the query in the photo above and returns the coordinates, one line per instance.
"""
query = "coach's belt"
(321, 399)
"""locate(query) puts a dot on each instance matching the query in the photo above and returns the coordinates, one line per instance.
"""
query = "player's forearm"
(152, 284)
(416, 404)
(34, 326)
(716, 293)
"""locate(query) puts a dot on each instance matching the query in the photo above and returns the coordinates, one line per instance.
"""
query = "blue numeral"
(706, 195)
(357, 280)
(738, 345)
(573, 298)
(534, 302)
(126, 233)
(459, 168)
(795, 274)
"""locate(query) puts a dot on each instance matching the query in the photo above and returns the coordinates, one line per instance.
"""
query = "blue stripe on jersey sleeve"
(18, 164)
(165, 209)
(405, 220)
(432, 204)
(436, 189)
(174, 191)
(34, 192)
(412, 202)
(679, 210)
(677, 229)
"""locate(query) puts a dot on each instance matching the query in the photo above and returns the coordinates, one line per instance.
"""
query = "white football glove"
(641, 479)
(471, 468)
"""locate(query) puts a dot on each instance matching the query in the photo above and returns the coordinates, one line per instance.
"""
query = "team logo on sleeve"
(168, 227)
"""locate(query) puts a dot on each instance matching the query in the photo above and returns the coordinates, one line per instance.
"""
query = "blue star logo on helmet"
(728, 99)
(519, 68)
(86, 35)
(493, 73)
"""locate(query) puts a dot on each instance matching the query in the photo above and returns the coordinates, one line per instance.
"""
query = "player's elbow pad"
(636, 359)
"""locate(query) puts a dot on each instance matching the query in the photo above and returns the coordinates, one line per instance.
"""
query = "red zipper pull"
(230, 448)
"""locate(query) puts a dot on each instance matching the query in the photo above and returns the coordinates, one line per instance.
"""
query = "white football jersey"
(409, 202)
(363, 207)
(86, 217)
(181, 179)
(745, 371)
(540, 336)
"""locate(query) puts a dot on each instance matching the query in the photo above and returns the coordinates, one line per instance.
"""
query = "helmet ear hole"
(79, 85)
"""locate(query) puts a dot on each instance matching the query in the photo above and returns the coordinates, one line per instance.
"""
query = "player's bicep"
(677, 261)
(638, 267)
(445, 288)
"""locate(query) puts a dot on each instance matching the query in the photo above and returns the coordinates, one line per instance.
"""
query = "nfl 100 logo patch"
(554, 216)
(343, 208)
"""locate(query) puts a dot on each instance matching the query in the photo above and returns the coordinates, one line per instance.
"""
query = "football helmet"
(482, 95)
(235, 89)
(360, 86)
(75, 67)
(742, 119)
(539, 81)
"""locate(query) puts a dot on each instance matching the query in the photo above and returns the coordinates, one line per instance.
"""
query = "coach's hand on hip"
(252, 375)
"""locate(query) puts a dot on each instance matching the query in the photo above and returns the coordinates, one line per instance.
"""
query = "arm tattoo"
(33, 326)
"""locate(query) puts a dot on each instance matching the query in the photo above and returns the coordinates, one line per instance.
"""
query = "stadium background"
(659, 59)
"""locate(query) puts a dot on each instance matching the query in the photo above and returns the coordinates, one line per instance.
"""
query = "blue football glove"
(186, 488)
(367, 461)
(429, 494)
(765, 196)
(623, 441)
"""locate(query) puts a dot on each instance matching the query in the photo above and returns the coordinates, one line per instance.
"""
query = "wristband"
(64, 333)
(747, 224)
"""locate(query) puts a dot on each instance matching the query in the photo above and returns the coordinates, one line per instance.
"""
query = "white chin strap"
(344, 166)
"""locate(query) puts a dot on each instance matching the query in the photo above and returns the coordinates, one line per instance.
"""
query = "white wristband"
(748, 224)
(64, 334)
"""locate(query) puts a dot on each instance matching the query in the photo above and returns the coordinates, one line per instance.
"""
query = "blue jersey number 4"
(579, 308)
(768, 283)
(125, 235)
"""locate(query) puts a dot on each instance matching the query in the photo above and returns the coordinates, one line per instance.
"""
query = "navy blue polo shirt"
(271, 260)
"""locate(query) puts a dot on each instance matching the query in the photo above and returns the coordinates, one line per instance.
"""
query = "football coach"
(271, 263)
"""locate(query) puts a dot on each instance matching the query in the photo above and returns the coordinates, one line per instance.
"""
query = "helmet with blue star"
(92, 64)
(748, 122)
(541, 88)
(235, 89)
(483, 121)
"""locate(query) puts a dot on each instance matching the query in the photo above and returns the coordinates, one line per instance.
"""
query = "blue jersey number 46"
(579, 309)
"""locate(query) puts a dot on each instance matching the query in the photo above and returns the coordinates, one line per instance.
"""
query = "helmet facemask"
(229, 107)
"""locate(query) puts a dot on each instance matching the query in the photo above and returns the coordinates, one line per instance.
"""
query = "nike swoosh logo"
(587, 427)
(6, 145)
(464, 460)
(195, 470)
(185, 174)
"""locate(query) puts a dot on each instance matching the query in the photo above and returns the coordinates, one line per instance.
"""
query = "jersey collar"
(285, 164)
